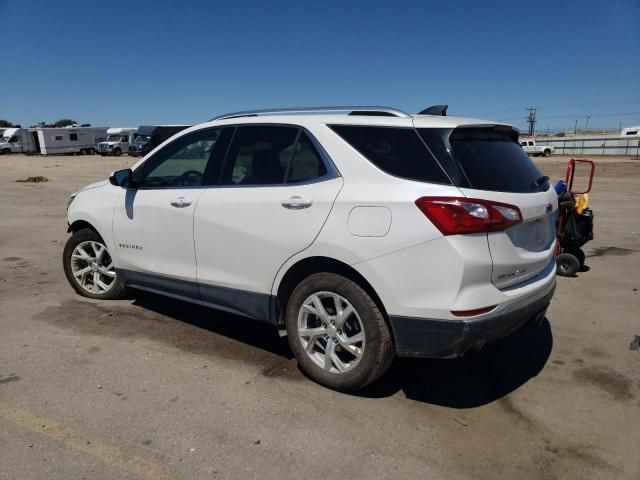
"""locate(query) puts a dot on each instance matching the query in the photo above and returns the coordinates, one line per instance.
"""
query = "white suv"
(359, 232)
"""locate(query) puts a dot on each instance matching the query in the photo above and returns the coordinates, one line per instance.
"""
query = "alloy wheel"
(331, 332)
(92, 267)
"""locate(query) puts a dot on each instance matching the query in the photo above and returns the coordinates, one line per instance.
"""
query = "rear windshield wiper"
(539, 182)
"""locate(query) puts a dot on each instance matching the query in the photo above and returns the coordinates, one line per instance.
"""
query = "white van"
(118, 141)
(16, 140)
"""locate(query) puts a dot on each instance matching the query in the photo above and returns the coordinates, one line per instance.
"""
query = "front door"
(153, 223)
(275, 192)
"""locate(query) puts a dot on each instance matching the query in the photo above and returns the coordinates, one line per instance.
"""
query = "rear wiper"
(539, 182)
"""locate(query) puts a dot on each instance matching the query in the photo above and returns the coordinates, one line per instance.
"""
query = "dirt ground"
(157, 389)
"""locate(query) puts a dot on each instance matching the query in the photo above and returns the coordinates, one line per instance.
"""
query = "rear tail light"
(459, 215)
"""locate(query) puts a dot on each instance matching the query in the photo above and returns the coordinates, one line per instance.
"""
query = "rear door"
(274, 194)
(490, 164)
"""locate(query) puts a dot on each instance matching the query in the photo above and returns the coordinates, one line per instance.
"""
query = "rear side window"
(397, 151)
(306, 163)
(488, 158)
(259, 155)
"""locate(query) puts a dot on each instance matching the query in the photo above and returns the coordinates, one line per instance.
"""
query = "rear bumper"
(424, 337)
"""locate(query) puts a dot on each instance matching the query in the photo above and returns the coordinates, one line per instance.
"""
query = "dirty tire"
(568, 264)
(579, 254)
(117, 152)
(547, 153)
(117, 291)
(379, 351)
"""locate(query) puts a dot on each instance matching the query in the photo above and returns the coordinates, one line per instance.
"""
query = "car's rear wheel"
(89, 267)
(547, 153)
(337, 332)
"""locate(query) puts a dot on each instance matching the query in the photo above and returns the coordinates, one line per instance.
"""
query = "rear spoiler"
(438, 110)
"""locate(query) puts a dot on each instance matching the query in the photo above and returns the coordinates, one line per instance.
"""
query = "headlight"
(72, 197)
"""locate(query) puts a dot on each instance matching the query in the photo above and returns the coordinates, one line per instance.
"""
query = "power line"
(531, 120)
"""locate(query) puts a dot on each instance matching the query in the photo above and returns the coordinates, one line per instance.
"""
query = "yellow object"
(582, 202)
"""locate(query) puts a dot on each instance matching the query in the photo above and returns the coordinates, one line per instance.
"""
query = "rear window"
(396, 151)
(485, 159)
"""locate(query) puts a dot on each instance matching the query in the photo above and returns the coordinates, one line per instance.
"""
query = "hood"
(94, 185)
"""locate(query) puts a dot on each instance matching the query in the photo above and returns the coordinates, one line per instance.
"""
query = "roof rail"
(350, 110)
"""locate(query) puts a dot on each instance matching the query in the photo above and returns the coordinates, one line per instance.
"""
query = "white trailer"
(82, 140)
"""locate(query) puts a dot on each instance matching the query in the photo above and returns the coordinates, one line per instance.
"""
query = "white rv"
(82, 140)
(16, 140)
(118, 141)
(631, 132)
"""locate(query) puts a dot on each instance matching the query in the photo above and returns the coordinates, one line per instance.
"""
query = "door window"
(183, 163)
(271, 155)
(259, 155)
(306, 163)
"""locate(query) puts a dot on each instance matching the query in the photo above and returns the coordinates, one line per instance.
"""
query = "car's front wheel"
(337, 332)
(89, 267)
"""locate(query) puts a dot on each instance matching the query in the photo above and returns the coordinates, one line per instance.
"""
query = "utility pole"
(575, 127)
(531, 120)
(586, 125)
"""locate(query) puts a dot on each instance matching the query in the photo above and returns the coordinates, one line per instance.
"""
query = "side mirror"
(122, 178)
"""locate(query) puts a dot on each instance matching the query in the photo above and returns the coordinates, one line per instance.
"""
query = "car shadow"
(472, 381)
(251, 332)
(478, 379)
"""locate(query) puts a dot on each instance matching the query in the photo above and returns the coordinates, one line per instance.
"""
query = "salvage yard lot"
(155, 388)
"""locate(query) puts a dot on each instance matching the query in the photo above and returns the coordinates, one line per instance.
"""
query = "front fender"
(95, 207)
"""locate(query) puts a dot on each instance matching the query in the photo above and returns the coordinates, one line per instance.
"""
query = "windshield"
(142, 138)
(4, 139)
(485, 159)
(115, 138)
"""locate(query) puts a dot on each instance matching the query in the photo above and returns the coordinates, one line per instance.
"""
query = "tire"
(83, 152)
(568, 264)
(579, 254)
(74, 263)
(546, 153)
(6, 151)
(91, 151)
(117, 152)
(343, 370)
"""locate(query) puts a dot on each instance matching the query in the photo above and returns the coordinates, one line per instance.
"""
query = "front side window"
(259, 155)
(183, 162)
(13, 139)
(397, 151)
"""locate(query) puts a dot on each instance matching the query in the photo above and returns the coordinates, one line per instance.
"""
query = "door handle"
(297, 203)
(180, 202)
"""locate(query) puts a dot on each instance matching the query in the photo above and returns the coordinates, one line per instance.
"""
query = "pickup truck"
(532, 148)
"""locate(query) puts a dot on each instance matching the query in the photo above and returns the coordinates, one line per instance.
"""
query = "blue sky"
(122, 63)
